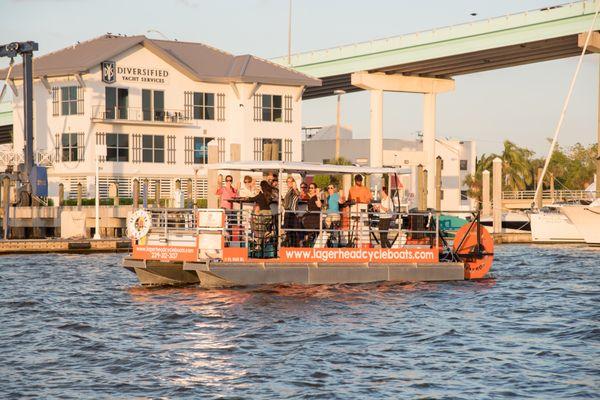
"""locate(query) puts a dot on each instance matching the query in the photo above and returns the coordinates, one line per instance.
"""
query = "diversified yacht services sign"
(111, 72)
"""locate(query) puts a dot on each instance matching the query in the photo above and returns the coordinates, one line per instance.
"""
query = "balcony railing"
(142, 115)
(10, 157)
(548, 194)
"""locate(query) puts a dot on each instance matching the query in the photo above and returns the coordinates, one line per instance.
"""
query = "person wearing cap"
(358, 193)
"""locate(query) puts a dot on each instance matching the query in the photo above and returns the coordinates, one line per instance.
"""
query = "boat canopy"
(303, 168)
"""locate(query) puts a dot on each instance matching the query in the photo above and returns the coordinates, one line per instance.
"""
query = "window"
(153, 105)
(271, 108)
(203, 105)
(464, 195)
(288, 150)
(153, 148)
(68, 100)
(201, 149)
(117, 147)
(117, 102)
(463, 165)
(267, 149)
(72, 147)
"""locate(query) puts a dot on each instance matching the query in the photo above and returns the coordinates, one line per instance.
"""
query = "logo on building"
(109, 71)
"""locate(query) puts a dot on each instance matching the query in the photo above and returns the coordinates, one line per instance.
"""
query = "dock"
(79, 246)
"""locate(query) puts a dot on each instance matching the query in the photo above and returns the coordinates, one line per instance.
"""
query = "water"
(80, 327)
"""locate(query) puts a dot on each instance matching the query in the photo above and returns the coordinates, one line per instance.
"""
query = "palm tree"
(516, 167)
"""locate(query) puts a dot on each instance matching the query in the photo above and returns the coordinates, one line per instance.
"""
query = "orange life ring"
(476, 266)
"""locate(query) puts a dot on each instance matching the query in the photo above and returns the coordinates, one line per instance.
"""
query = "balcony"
(140, 116)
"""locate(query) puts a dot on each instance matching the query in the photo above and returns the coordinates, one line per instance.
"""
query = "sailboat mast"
(598, 142)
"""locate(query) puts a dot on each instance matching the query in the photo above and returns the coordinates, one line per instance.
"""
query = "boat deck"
(220, 274)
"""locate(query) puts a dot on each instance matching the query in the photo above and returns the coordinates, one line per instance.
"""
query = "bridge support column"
(429, 143)
(377, 83)
(376, 143)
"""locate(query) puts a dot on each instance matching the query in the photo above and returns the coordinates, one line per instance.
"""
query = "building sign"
(110, 72)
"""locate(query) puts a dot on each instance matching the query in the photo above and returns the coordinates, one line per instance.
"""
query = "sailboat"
(550, 225)
(585, 218)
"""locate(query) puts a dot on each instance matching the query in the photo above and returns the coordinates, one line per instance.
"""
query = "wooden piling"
(497, 194)
(438, 183)
(136, 193)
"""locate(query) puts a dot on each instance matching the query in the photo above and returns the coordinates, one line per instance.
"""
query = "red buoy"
(477, 258)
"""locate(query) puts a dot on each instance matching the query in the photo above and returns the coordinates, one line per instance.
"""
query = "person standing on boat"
(334, 199)
(304, 192)
(358, 193)
(248, 189)
(227, 193)
(386, 210)
(290, 205)
(312, 220)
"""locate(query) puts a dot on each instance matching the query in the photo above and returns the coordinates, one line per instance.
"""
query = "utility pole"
(290, 35)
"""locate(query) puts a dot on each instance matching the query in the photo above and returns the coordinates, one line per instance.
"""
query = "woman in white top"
(386, 210)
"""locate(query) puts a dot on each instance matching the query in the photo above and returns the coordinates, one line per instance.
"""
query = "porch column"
(497, 195)
(485, 194)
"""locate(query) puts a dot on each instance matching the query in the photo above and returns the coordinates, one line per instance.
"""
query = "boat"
(215, 248)
(512, 221)
(550, 225)
(586, 219)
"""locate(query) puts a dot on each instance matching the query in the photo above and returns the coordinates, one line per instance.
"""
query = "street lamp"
(339, 93)
(100, 153)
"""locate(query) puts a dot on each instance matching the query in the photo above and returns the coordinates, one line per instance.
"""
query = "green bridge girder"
(500, 42)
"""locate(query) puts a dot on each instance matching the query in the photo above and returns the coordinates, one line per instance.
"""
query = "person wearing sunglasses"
(227, 193)
(304, 192)
(333, 200)
(312, 219)
(249, 188)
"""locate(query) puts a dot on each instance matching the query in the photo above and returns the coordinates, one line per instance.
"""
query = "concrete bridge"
(425, 62)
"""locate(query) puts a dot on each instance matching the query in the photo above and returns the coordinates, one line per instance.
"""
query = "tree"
(323, 180)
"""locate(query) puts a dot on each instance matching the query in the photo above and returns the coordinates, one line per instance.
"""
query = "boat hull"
(587, 221)
(553, 227)
(219, 274)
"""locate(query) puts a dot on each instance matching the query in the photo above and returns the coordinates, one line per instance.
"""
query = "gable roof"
(196, 60)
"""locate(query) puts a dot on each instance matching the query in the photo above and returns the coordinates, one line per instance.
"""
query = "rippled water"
(80, 327)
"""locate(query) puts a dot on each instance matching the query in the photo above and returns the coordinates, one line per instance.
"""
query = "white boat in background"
(512, 222)
(550, 225)
(587, 220)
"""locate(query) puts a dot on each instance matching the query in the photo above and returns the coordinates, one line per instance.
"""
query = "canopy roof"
(303, 167)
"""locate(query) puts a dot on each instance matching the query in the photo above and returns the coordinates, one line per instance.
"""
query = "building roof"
(196, 60)
(328, 133)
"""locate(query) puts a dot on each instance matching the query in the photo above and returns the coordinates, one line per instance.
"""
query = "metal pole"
(598, 143)
(28, 112)
(97, 224)
(290, 35)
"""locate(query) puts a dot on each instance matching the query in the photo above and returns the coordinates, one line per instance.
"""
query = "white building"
(459, 159)
(157, 105)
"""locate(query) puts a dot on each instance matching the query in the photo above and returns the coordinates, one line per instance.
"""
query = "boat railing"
(264, 233)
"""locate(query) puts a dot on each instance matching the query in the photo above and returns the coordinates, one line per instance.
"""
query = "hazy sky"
(521, 104)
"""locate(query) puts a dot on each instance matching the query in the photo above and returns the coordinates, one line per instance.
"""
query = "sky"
(521, 104)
